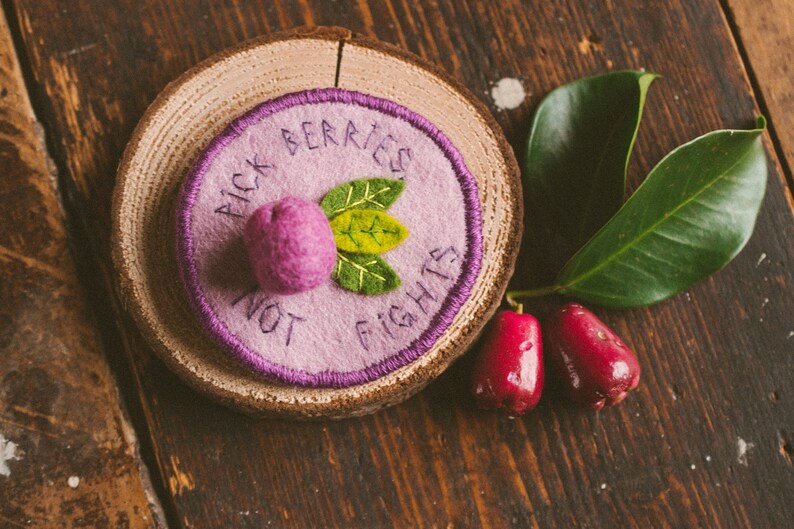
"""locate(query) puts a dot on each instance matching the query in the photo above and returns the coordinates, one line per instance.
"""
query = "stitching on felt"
(360, 194)
(439, 323)
(361, 269)
(348, 230)
(367, 199)
(371, 231)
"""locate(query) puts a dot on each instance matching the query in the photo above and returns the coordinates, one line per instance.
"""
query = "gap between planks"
(758, 95)
(135, 432)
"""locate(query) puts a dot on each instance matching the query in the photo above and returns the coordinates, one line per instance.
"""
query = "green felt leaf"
(364, 274)
(578, 149)
(366, 193)
(367, 231)
(691, 216)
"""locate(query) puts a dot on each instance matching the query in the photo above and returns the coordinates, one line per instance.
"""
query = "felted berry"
(290, 245)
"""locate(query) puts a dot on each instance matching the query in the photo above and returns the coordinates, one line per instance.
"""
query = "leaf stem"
(511, 296)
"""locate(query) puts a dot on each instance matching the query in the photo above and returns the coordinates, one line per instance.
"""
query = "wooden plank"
(717, 364)
(67, 453)
(766, 32)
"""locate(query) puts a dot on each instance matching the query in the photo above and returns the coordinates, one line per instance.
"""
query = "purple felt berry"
(290, 246)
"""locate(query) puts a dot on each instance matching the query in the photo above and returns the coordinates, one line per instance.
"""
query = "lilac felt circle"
(218, 330)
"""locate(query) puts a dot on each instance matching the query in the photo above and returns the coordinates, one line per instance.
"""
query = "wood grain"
(766, 33)
(717, 360)
(67, 452)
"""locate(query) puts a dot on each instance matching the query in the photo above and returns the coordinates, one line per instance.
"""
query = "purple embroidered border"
(443, 318)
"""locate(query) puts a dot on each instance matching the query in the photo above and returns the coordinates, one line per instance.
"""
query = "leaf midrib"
(646, 232)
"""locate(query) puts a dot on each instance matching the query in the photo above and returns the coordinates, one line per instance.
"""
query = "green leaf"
(366, 193)
(691, 216)
(364, 274)
(367, 231)
(578, 149)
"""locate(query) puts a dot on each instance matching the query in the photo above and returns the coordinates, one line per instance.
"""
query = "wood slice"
(197, 106)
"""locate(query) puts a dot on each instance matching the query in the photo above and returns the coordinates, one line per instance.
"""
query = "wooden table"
(95, 432)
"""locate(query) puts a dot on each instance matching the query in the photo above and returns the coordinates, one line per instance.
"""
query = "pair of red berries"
(594, 366)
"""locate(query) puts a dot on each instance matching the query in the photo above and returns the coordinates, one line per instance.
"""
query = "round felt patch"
(306, 144)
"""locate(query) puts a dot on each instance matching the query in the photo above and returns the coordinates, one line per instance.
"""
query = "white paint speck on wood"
(8, 452)
(742, 448)
(508, 93)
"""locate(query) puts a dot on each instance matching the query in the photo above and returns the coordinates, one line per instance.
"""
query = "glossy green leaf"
(364, 274)
(367, 231)
(691, 216)
(578, 149)
(366, 193)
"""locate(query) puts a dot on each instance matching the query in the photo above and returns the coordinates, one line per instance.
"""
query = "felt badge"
(293, 237)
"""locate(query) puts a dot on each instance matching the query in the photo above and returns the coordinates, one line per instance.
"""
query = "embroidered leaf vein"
(364, 274)
(365, 193)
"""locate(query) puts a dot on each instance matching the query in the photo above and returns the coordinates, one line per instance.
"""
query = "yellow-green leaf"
(367, 231)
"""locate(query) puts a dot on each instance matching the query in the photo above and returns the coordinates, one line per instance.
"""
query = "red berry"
(508, 373)
(594, 365)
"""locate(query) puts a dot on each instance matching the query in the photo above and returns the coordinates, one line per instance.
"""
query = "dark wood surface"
(68, 454)
(766, 32)
(718, 360)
